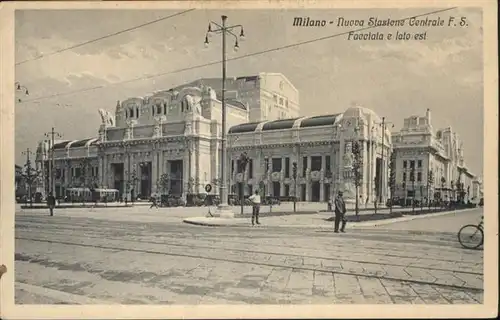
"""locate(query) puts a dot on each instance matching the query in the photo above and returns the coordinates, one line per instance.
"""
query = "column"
(186, 174)
(340, 175)
(282, 176)
(154, 170)
(308, 181)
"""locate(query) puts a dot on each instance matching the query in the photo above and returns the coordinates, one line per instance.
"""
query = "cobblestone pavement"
(90, 259)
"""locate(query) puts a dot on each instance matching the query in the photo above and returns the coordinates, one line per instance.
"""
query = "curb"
(407, 218)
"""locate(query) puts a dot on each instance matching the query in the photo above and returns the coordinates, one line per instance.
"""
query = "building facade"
(435, 159)
(322, 148)
(172, 135)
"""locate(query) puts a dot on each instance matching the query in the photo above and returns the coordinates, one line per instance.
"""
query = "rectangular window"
(286, 103)
(316, 163)
(232, 166)
(412, 164)
(419, 164)
(250, 169)
(96, 171)
(238, 165)
(287, 167)
(304, 166)
(328, 167)
(419, 176)
(276, 165)
(266, 165)
(404, 175)
(281, 101)
(158, 109)
(404, 164)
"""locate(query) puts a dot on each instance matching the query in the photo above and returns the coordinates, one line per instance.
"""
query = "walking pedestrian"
(51, 203)
(154, 202)
(340, 211)
(255, 198)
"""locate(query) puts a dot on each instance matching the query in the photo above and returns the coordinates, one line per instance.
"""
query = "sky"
(395, 78)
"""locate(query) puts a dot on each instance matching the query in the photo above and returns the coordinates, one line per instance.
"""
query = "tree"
(443, 183)
(164, 183)
(356, 170)
(30, 175)
(430, 182)
(392, 177)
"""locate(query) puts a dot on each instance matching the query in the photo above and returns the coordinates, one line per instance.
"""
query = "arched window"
(158, 108)
(153, 110)
(164, 108)
(131, 112)
(137, 112)
(182, 106)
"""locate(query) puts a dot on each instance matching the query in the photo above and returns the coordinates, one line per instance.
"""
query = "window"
(419, 176)
(158, 108)
(286, 103)
(412, 164)
(266, 165)
(250, 170)
(276, 165)
(304, 166)
(287, 190)
(96, 171)
(275, 97)
(287, 167)
(404, 164)
(419, 164)
(281, 101)
(328, 164)
(131, 113)
(316, 163)
(137, 112)
(153, 110)
(404, 175)
(232, 166)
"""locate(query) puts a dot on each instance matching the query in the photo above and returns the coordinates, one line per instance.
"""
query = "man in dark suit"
(340, 211)
(51, 203)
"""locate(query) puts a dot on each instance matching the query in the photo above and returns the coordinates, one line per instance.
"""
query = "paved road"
(96, 258)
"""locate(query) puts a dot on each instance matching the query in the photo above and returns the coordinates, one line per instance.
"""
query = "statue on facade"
(128, 129)
(348, 156)
(194, 104)
(107, 118)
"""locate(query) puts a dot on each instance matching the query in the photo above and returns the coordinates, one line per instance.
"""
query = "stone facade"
(438, 155)
(321, 146)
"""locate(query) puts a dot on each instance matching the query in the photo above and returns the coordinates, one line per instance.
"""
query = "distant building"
(437, 154)
(322, 148)
(172, 134)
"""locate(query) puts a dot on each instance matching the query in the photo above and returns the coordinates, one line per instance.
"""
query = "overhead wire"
(103, 37)
(293, 45)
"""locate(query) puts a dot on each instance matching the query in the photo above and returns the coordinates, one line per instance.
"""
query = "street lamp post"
(294, 175)
(224, 30)
(52, 135)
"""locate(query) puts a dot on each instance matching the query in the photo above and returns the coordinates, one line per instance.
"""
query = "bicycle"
(471, 236)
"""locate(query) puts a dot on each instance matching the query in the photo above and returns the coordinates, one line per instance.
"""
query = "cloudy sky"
(394, 78)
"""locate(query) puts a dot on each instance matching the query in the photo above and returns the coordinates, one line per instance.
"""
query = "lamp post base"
(223, 211)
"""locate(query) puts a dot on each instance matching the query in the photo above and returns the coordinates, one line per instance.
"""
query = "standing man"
(255, 198)
(340, 211)
(154, 202)
(51, 203)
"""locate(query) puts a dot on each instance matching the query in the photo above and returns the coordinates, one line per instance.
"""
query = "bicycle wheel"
(470, 236)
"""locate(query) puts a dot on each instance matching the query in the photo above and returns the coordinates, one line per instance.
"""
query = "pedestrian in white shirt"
(255, 198)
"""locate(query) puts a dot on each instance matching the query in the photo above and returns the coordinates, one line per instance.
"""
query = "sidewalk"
(308, 221)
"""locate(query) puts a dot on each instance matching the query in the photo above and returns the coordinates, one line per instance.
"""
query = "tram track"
(103, 232)
(336, 258)
(252, 262)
